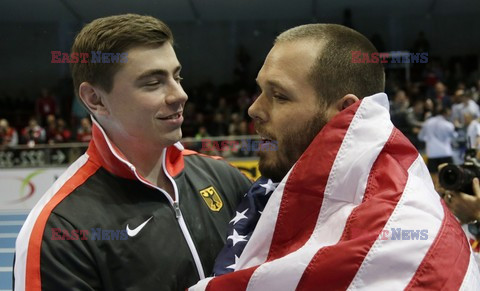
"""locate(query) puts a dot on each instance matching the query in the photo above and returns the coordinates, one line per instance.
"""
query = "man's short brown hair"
(114, 34)
(334, 74)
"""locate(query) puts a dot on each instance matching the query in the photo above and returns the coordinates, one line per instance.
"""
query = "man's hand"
(465, 207)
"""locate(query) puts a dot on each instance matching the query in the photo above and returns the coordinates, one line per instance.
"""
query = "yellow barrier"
(249, 168)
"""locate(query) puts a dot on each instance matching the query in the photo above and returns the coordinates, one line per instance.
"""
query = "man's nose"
(257, 110)
(176, 94)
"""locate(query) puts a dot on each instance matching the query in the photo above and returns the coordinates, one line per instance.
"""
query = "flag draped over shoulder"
(243, 224)
(357, 211)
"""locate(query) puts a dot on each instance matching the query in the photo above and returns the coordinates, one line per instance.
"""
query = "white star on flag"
(234, 265)
(239, 216)
(235, 237)
(270, 186)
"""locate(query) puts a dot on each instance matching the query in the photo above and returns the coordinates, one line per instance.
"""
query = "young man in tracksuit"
(136, 211)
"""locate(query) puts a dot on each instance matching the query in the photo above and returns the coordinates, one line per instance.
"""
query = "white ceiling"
(218, 10)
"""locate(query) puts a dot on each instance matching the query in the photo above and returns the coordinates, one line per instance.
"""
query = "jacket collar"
(104, 152)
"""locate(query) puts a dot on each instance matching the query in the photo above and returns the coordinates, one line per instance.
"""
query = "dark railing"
(45, 155)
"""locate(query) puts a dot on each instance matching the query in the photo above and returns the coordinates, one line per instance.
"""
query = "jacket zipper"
(181, 221)
(176, 207)
(174, 204)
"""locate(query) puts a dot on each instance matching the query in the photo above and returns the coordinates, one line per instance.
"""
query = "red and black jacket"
(102, 226)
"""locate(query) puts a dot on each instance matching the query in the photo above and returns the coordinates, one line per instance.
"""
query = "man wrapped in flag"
(346, 202)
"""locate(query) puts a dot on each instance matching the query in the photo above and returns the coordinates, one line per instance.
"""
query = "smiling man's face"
(288, 109)
(146, 102)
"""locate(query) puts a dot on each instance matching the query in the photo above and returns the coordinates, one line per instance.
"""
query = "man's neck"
(147, 160)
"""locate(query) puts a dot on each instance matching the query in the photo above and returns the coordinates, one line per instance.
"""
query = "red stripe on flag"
(303, 193)
(334, 267)
(236, 281)
(446, 262)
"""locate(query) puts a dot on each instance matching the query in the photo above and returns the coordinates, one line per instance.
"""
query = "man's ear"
(346, 101)
(92, 98)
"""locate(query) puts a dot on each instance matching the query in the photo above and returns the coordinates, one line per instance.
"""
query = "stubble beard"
(275, 165)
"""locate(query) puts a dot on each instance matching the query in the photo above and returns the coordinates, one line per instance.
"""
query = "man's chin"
(170, 138)
(271, 169)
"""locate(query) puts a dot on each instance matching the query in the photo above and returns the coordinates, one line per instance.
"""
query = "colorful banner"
(20, 189)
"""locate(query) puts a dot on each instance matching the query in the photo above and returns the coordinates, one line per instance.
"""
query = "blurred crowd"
(450, 89)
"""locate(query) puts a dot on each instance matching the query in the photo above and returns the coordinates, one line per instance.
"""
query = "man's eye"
(178, 79)
(279, 97)
(153, 83)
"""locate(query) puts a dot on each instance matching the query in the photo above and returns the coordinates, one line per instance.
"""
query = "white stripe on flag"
(341, 199)
(201, 285)
(256, 253)
(360, 147)
(471, 281)
(396, 260)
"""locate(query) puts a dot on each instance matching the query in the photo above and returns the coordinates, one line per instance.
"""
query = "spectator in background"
(203, 144)
(202, 133)
(189, 127)
(218, 127)
(416, 115)
(473, 131)
(224, 108)
(78, 113)
(398, 111)
(234, 127)
(199, 122)
(33, 133)
(84, 132)
(45, 105)
(8, 134)
(63, 133)
(51, 128)
(437, 133)
(441, 99)
(243, 102)
(465, 106)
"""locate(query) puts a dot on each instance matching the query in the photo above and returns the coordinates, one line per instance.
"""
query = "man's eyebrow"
(160, 72)
(273, 83)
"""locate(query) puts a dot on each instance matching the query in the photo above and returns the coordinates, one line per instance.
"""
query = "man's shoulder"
(84, 191)
(203, 166)
(215, 162)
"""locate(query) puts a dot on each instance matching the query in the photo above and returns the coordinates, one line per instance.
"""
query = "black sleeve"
(241, 183)
(66, 262)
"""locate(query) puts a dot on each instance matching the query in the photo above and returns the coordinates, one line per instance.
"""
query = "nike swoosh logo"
(135, 231)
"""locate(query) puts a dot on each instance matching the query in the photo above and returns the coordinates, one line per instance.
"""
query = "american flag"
(321, 228)
(242, 225)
